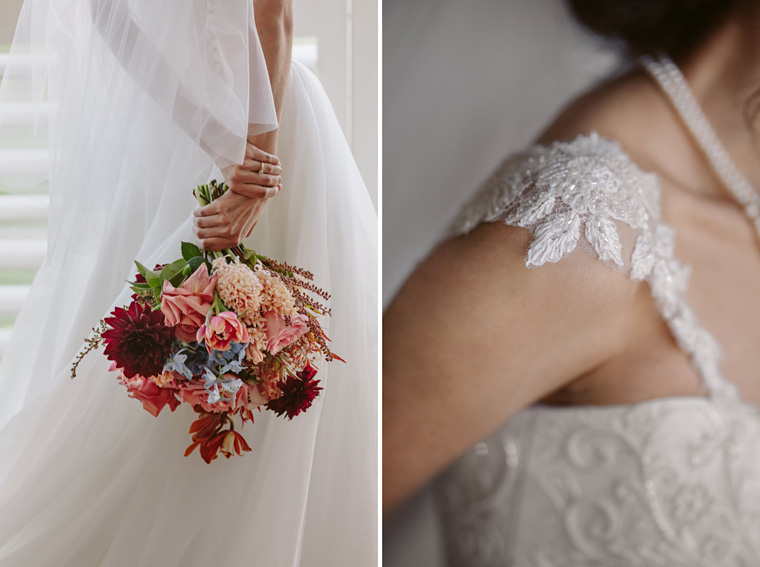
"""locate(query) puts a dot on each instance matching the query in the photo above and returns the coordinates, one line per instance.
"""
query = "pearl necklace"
(674, 84)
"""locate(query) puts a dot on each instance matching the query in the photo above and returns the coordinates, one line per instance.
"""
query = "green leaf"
(171, 270)
(140, 268)
(153, 278)
(217, 306)
(178, 280)
(190, 250)
(195, 262)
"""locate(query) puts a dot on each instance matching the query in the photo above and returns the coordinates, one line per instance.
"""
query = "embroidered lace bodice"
(669, 482)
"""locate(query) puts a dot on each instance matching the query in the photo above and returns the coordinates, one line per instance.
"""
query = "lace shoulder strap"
(567, 194)
(589, 193)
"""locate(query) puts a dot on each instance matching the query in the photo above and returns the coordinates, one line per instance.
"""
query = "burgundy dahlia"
(137, 340)
(298, 393)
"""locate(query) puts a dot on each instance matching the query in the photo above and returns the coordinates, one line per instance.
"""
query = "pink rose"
(280, 335)
(249, 401)
(253, 397)
(222, 330)
(194, 393)
(152, 397)
(186, 307)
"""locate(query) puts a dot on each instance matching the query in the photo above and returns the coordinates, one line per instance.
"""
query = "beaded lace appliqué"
(583, 193)
(566, 191)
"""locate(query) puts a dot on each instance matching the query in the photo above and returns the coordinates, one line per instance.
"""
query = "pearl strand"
(674, 84)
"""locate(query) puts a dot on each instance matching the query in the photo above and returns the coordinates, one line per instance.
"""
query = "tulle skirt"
(88, 478)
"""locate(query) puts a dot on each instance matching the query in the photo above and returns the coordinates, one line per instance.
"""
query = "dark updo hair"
(674, 27)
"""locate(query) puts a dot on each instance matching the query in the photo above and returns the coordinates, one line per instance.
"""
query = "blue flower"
(176, 363)
(229, 387)
(198, 358)
(230, 360)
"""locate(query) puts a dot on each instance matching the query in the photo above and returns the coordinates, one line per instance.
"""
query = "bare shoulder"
(478, 285)
(474, 335)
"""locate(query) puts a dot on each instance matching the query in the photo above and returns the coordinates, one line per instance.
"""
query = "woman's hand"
(225, 222)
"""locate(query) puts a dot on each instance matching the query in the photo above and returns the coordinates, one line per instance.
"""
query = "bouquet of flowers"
(227, 332)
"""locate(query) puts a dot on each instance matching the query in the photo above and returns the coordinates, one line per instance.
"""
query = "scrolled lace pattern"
(666, 483)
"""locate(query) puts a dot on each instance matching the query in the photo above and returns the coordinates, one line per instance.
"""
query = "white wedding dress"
(662, 483)
(148, 98)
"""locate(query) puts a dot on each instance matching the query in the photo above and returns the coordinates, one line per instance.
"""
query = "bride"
(148, 99)
(580, 356)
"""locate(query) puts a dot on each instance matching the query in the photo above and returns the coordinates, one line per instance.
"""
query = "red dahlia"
(298, 393)
(137, 340)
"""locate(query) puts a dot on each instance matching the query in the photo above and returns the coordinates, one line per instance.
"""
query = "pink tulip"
(221, 331)
(281, 335)
(185, 307)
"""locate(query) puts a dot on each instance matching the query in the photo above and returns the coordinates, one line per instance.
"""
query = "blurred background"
(337, 39)
(464, 85)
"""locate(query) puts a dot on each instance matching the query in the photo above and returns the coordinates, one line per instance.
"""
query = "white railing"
(22, 254)
(13, 162)
(23, 208)
(12, 297)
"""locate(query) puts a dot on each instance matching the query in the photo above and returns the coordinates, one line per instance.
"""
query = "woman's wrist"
(266, 141)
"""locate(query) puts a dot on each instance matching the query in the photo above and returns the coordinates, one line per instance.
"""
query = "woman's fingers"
(256, 166)
(252, 152)
(217, 243)
(226, 232)
(253, 191)
(245, 176)
(211, 209)
(225, 222)
(210, 221)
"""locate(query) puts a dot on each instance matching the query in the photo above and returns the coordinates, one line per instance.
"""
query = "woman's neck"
(724, 74)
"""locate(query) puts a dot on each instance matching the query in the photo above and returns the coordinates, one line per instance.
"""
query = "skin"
(474, 336)
(225, 222)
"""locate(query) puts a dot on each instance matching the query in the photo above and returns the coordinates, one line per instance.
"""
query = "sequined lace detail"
(670, 482)
(585, 193)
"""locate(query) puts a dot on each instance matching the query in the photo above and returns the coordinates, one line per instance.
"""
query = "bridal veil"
(148, 98)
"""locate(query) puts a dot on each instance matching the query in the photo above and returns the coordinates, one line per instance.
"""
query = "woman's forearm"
(274, 21)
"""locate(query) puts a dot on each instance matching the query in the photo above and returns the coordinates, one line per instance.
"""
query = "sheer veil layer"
(148, 99)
